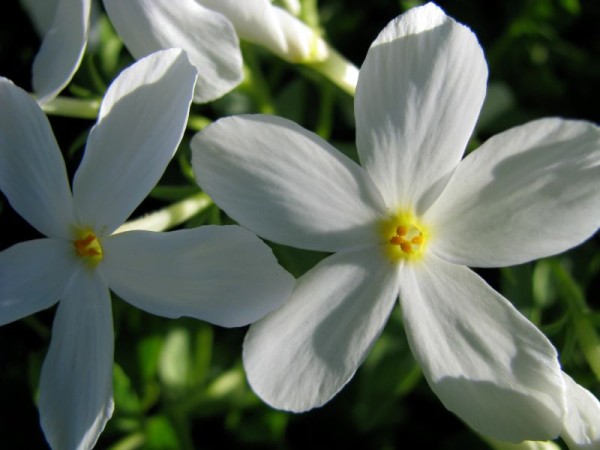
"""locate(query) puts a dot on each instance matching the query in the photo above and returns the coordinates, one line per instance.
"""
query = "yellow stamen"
(88, 247)
(417, 240)
(405, 237)
(402, 230)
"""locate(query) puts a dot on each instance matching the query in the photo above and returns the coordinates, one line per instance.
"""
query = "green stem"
(310, 13)
(580, 317)
(325, 117)
(72, 107)
(171, 216)
(337, 69)
(525, 445)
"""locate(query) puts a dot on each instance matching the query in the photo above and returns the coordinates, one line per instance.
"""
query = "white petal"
(260, 22)
(419, 92)
(582, 423)
(286, 184)
(224, 275)
(302, 42)
(141, 122)
(254, 20)
(76, 380)
(40, 13)
(301, 355)
(32, 172)
(62, 48)
(527, 193)
(486, 362)
(33, 276)
(209, 39)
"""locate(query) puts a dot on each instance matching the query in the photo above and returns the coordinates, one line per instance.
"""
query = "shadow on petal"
(482, 403)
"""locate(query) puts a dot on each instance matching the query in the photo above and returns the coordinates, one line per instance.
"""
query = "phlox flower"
(406, 224)
(224, 275)
(209, 31)
(64, 25)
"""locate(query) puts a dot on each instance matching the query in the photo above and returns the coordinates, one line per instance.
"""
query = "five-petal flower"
(208, 30)
(407, 223)
(224, 275)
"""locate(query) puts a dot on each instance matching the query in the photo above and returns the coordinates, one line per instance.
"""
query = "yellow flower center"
(88, 247)
(404, 237)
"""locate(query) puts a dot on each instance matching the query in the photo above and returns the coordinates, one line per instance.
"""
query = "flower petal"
(62, 48)
(40, 13)
(32, 173)
(419, 92)
(141, 122)
(261, 22)
(224, 275)
(76, 380)
(254, 20)
(33, 276)
(286, 184)
(302, 43)
(527, 193)
(299, 356)
(582, 425)
(208, 38)
(486, 362)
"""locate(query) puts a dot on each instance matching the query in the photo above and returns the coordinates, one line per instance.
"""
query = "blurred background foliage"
(179, 384)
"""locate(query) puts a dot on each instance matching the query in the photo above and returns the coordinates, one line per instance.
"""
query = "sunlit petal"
(141, 122)
(207, 36)
(32, 171)
(302, 354)
(486, 362)
(76, 380)
(419, 92)
(254, 20)
(302, 42)
(224, 275)
(527, 193)
(286, 184)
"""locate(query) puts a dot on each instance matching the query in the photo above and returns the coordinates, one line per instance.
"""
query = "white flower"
(407, 223)
(221, 274)
(208, 30)
(64, 25)
(581, 428)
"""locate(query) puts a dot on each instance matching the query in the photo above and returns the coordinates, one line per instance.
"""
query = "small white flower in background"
(224, 275)
(208, 31)
(407, 223)
(64, 25)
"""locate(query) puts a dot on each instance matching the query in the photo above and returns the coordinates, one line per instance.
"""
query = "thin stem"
(171, 216)
(337, 69)
(310, 13)
(72, 107)
(525, 445)
(325, 118)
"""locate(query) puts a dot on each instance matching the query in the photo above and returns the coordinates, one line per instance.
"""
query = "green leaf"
(161, 435)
